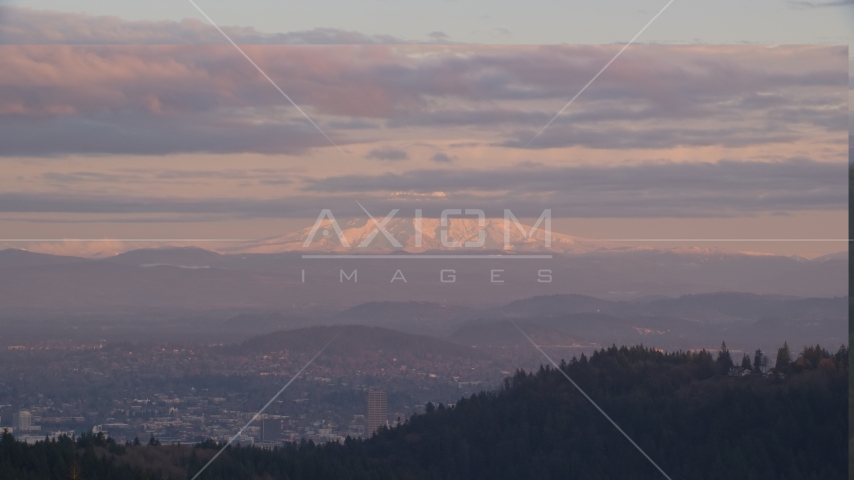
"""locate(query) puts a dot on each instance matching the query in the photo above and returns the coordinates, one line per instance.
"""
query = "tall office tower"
(377, 416)
(22, 421)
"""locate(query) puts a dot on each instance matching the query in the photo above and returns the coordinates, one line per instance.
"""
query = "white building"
(23, 422)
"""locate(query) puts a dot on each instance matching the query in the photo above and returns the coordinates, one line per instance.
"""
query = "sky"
(726, 120)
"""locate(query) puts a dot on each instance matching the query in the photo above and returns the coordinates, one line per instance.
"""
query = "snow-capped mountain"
(418, 235)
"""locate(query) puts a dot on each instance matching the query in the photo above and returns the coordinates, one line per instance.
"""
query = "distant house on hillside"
(739, 372)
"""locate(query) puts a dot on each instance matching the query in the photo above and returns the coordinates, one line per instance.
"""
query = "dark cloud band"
(720, 189)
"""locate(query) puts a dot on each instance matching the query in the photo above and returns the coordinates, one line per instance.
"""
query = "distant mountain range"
(574, 323)
(459, 235)
(139, 296)
(191, 278)
(711, 308)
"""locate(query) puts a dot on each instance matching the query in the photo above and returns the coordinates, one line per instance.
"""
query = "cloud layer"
(167, 87)
(667, 131)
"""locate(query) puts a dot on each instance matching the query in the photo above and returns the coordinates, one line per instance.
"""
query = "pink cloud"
(376, 81)
(500, 88)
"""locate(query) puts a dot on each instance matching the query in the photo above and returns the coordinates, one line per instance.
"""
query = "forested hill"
(693, 424)
(691, 418)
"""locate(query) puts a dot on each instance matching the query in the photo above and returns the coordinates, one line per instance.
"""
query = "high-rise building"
(22, 421)
(377, 405)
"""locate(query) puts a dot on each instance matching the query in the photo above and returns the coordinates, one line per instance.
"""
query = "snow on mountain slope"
(462, 234)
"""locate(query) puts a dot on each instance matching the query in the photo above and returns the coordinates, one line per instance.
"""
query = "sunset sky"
(126, 122)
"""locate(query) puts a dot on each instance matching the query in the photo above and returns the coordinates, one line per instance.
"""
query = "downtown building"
(377, 410)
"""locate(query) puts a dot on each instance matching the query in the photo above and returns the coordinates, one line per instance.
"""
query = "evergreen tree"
(724, 362)
(745, 362)
(841, 355)
(784, 358)
(757, 360)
